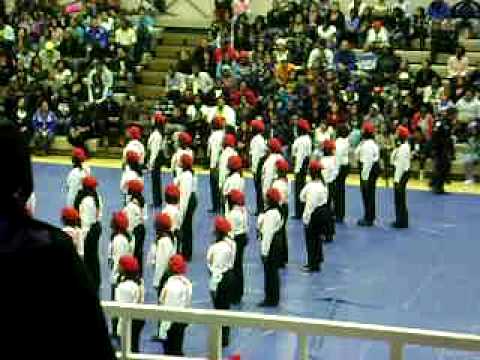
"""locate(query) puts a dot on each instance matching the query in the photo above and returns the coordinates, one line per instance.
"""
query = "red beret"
(135, 132)
(172, 190)
(132, 157)
(329, 145)
(368, 127)
(177, 264)
(237, 197)
(89, 182)
(79, 154)
(160, 118)
(304, 125)
(186, 161)
(129, 264)
(185, 139)
(163, 222)
(218, 122)
(274, 195)
(275, 145)
(222, 225)
(315, 166)
(258, 125)
(120, 220)
(135, 186)
(282, 165)
(69, 213)
(402, 132)
(235, 163)
(229, 140)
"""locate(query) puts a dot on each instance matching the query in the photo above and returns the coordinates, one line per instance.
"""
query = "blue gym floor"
(423, 277)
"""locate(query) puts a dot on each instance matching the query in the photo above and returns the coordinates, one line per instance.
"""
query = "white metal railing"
(396, 337)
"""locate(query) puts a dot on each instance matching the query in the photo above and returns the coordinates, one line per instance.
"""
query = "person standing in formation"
(400, 159)
(76, 175)
(229, 143)
(214, 149)
(269, 225)
(172, 199)
(89, 205)
(134, 133)
(281, 184)
(185, 142)
(187, 183)
(258, 151)
(130, 290)
(237, 215)
(342, 152)
(131, 171)
(301, 152)
(177, 292)
(71, 226)
(369, 154)
(316, 216)
(234, 180)
(220, 262)
(156, 150)
(269, 169)
(329, 173)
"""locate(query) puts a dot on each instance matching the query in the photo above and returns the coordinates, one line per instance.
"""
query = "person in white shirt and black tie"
(185, 142)
(71, 225)
(229, 143)
(400, 159)
(134, 132)
(258, 152)
(369, 154)
(172, 208)
(342, 152)
(214, 149)
(281, 184)
(220, 261)
(76, 175)
(234, 181)
(329, 173)
(131, 171)
(269, 169)
(156, 148)
(269, 226)
(301, 152)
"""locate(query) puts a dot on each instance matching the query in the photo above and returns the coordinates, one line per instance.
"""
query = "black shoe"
(363, 222)
(329, 239)
(267, 304)
(339, 221)
(398, 226)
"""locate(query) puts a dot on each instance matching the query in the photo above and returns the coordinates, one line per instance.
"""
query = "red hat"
(163, 222)
(177, 264)
(304, 125)
(120, 220)
(368, 127)
(329, 145)
(89, 182)
(160, 118)
(237, 197)
(135, 186)
(185, 139)
(172, 191)
(135, 132)
(129, 264)
(229, 140)
(315, 166)
(186, 161)
(275, 145)
(274, 195)
(282, 165)
(258, 125)
(79, 154)
(235, 163)
(402, 132)
(69, 213)
(218, 122)
(133, 157)
(222, 225)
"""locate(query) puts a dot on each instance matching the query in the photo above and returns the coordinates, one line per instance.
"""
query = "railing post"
(303, 346)
(126, 337)
(215, 342)
(396, 350)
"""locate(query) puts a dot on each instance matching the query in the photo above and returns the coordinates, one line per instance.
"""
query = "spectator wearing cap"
(301, 151)
(157, 146)
(257, 152)
(214, 150)
(342, 144)
(76, 175)
(281, 184)
(269, 169)
(71, 226)
(184, 148)
(400, 158)
(234, 180)
(377, 36)
(44, 125)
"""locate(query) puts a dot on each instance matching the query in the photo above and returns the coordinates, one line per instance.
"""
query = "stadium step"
(153, 77)
(171, 51)
(157, 64)
(180, 38)
(149, 91)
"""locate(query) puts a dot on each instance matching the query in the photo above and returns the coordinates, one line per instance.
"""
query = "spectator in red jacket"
(226, 53)
(423, 121)
(245, 91)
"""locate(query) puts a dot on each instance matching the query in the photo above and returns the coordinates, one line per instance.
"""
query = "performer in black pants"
(301, 152)
(214, 149)
(156, 148)
(342, 150)
(281, 184)
(329, 173)
(258, 152)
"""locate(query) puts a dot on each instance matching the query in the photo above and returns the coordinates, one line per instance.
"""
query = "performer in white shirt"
(172, 208)
(156, 159)
(184, 147)
(238, 218)
(234, 180)
(177, 292)
(229, 143)
(269, 169)
(220, 261)
(342, 152)
(31, 204)
(400, 158)
(134, 132)
(258, 152)
(368, 154)
(162, 249)
(131, 171)
(281, 184)
(76, 175)
(330, 173)
(316, 216)
(71, 225)
(186, 182)
(214, 149)
(301, 152)
(269, 225)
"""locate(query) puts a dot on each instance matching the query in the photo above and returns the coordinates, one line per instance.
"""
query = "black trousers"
(317, 229)
(186, 230)
(331, 206)
(257, 179)
(284, 243)
(173, 345)
(90, 258)
(340, 192)
(401, 210)
(441, 169)
(239, 281)
(214, 190)
(272, 281)
(137, 327)
(157, 182)
(300, 181)
(368, 188)
(139, 234)
(222, 299)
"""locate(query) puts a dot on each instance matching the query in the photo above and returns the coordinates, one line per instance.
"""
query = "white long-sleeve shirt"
(342, 151)
(282, 186)
(269, 171)
(187, 185)
(76, 234)
(134, 214)
(223, 170)
(258, 149)
(129, 292)
(119, 246)
(214, 147)
(128, 175)
(136, 146)
(89, 214)
(228, 113)
(238, 217)
(220, 259)
(268, 224)
(155, 144)
(74, 183)
(301, 149)
(233, 182)
(330, 168)
(368, 153)
(175, 164)
(175, 215)
(163, 250)
(400, 159)
(314, 194)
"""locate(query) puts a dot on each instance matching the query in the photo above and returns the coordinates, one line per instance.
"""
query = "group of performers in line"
(319, 198)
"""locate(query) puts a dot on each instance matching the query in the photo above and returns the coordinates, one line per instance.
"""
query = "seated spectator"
(433, 94)
(458, 64)
(344, 57)
(126, 37)
(184, 63)
(202, 82)
(422, 121)
(123, 67)
(377, 36)
(44, 125)
(420, 27)
(97, 37)
(467, 11)
(99, 83)
(468, 110)
(22, 120)
(174, 83)
(62, 75)
(226, 53)
(438, 10)
(327, 32)
(387, 66)
(400, 28)
(222, 109)
(49, 56)
(284, 72)
(7, 35)
(443, 38)
(472, 154)
(352, 27)
(243, 91)
(320, 57)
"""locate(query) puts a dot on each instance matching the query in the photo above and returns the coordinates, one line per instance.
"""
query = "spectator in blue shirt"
(344, 57)
(438, 10)
(97, 37)
(44, 124)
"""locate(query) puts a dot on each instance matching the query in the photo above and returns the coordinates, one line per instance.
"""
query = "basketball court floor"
(426, 276)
